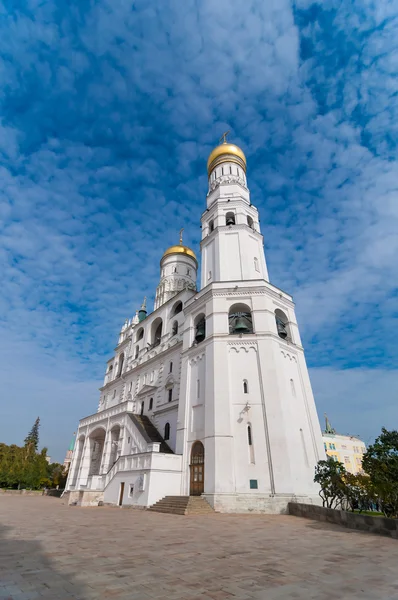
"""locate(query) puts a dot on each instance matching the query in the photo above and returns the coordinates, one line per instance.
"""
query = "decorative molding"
(238, 346)
(196, 358)
(291, 357)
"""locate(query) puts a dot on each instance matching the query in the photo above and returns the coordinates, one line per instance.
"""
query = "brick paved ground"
(48, 550)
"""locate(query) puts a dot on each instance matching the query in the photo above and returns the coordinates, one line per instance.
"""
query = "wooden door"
(197, 469)
(121, 493)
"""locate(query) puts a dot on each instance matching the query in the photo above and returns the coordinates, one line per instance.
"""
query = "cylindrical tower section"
(226, 164)
(178, 271)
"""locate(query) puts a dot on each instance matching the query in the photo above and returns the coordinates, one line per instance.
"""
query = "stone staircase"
(182, 505)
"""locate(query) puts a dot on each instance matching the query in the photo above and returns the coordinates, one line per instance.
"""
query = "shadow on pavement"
(27, 571)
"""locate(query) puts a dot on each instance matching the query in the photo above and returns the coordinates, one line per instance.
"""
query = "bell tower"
(245, 383)
(232, 244)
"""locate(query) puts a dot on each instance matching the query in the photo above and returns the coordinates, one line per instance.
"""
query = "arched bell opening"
(230, 218)
(197, 469)
(282, 325)
(240, 319)
(200, 328)
(156, 337)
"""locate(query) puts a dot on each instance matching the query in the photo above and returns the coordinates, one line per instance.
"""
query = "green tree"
(358, 492)
(380, 462)
(32, 439)
(329, 474)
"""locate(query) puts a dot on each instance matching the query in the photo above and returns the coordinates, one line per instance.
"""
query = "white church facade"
(209, 394)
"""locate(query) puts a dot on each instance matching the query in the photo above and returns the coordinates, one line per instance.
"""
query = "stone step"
(182, 505)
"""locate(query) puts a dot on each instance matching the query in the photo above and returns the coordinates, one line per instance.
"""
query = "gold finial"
(223, 138)
(181, 230)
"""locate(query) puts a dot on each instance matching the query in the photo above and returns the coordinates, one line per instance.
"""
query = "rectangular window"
(253, 484)
(150, 403)
(198, 389)
(171, 368)
(170, 395)
(347, 460)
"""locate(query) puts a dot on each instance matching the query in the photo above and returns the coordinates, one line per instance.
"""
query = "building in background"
(347, 449)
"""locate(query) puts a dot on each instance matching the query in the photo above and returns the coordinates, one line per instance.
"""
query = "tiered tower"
(246, 393)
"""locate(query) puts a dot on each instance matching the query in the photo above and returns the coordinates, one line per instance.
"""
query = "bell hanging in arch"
(281, 328)
(241, 326)
(200, 331)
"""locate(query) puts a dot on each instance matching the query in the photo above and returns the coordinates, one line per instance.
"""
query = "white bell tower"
(248, 402)
(232, 244)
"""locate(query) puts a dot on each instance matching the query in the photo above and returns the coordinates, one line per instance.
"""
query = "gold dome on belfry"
(226, 152)
(180, 249)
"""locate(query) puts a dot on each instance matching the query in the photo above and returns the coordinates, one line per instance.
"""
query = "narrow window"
(250, 443)
(142, 407)
(167, 431)
(130, 386)
(230, 170)
(245, 387)
(175, 270)
(198, 388)
(171, 368)
(211, 226)
(150, 403)
(222, 170)
(174, 329)
(114, 393)
(293, 388)
(256, 265)
(209, 275)
(170, 395)
(189, 272)
(137, 351)
(249, 435)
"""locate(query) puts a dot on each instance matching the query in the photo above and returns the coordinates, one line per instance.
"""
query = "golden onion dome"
(226, 153)
(180, 249)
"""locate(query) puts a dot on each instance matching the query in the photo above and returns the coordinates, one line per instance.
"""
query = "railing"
(144, 461)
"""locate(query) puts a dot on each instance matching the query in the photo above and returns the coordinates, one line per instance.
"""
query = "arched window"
(211, 226)
(200, 328)
(142, 407)
(250, 222)
(150, 403)
(256, 265)
(110, 369)
(177, 309)
(292, 387)
(157, 332)
(245, 387)
(121, 361)
(230, 218)
(240, 319)
(175, 270)
(282, 325)
(188, 271)
(174, 329)
(171, 367)
(137, 351)
(140, 334)
(167, 431)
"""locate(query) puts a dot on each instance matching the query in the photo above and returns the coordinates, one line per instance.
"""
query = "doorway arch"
(197, 469)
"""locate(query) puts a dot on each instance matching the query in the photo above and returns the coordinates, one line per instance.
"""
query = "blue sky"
(108, 111)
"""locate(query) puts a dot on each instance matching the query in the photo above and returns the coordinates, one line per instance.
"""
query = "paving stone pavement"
(51, 551)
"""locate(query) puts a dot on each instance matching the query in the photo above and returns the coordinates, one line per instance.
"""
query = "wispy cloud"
(108, 112)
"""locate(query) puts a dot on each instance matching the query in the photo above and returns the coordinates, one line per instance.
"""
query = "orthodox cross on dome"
(181, 231)
(223, 138)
